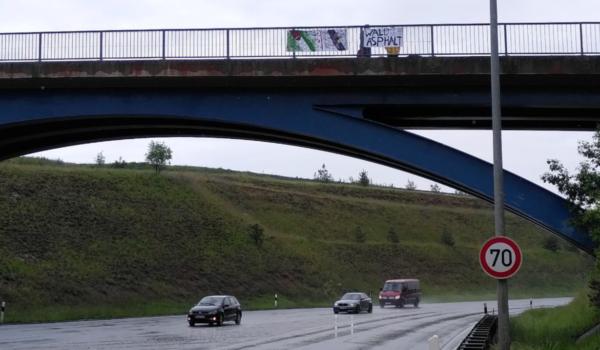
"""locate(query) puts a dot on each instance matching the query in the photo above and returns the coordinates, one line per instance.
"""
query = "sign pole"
(503, 332)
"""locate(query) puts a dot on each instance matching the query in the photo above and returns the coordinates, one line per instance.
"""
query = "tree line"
(323, 175)
(159, 155)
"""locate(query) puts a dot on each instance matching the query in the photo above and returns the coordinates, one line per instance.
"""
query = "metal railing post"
(362, 41)
(505, 42)
(432, 47)
(101, 36)
(40, 47)
(581, 37)
(293, 52)
(164, 47)
(227, 43)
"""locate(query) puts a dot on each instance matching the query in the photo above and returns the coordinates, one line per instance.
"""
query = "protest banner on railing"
(383, 36)
(317, 40)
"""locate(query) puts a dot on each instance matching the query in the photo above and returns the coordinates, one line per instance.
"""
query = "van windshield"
(396, 287)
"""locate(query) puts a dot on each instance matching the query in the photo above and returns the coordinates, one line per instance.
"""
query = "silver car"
(353, 302)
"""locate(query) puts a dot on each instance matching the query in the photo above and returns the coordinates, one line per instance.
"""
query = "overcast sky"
(525, 153)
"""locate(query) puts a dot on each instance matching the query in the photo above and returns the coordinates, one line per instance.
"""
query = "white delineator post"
(275, 300)
(434, 343)
(2, 313)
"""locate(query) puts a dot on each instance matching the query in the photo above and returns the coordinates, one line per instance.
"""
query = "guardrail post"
(164, 48)
(227, 43)
(581, 37)
(40, 47)
(505, 42)
(101, 45)
(432, 50)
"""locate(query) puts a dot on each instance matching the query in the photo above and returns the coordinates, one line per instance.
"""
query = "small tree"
(393, 236)
(447, 238)
(323, 175)
(551, 243)
(410, 185)
(436, 188)
(363, 178)
(119, 164)
(100, 160)
(159, 155)
(359, 235)
(583, 198)
(257, 233)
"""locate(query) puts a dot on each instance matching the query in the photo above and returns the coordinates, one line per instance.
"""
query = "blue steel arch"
(37, 120)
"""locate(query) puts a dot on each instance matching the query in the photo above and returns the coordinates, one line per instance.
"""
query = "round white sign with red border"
(500, 257)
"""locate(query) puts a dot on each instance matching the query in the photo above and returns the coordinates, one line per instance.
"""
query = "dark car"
(353, 302)
(400, 292)
(215, 309)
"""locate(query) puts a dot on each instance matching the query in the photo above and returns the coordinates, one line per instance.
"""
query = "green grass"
(557, 328)
(96, 242)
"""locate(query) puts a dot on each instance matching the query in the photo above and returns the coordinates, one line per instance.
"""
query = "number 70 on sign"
(500, 257)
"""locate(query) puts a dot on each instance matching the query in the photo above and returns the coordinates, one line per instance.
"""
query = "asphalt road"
(388, 328)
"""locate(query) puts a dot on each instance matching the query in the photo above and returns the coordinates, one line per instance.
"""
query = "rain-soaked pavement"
(388, 328)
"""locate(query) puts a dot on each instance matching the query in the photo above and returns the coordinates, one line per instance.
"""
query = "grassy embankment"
(81, 242)
(557, 328)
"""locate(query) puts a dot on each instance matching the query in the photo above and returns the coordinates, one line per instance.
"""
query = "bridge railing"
(581, 38)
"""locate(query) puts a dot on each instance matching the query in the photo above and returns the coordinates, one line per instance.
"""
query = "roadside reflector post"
(275, 300)
(485, 308)
(2, 312)
(434, 343)
(531, 302)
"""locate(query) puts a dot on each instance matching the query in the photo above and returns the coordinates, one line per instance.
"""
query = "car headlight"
(335, 304)
(397, 297)
(212, 312)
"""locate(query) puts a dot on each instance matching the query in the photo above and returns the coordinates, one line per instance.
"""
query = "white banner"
(317, 40)
(383, 36)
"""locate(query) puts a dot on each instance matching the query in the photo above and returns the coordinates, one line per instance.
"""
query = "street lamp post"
(502, 288)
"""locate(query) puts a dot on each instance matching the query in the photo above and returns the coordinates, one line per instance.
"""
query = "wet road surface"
(307, 329)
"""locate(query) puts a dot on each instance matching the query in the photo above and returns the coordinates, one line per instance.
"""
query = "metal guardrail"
(482, 334)
(580, 38)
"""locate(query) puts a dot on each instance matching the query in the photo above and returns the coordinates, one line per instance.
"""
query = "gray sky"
(525, 152)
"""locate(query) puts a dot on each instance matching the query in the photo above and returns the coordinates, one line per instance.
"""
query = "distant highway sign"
(500, 257)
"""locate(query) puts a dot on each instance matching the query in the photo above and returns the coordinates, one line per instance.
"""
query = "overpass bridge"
(356, 106)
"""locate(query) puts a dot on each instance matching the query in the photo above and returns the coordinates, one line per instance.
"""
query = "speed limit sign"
(500, 257)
